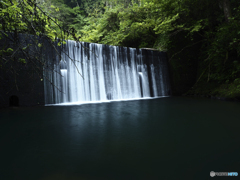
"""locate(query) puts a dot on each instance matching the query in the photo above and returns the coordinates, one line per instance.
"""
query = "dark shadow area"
(158, 139)
(13, 101)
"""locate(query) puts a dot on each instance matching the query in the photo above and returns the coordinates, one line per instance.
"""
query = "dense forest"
(201, 37)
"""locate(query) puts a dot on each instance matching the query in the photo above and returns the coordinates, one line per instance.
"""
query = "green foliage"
(26, 16)
(223, 49)
(141, 24)
(21, 60)
(9, 50)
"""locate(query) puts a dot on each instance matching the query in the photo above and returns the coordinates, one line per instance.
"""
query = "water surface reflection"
(146, 139)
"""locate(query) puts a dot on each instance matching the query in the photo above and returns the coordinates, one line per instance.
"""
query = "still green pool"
(165, 138)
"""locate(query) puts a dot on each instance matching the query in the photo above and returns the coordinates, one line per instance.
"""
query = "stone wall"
(24, 89)
(21, 84)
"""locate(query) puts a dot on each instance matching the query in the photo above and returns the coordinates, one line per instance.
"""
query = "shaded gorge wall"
(89, 72)
(21, 84)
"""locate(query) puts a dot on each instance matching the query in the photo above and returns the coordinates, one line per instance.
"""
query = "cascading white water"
(98, 73)
(153, 81)
(64, 85)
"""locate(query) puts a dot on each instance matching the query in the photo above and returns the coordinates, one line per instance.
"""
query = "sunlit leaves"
(24, 17)
(21, 60)
(9, 50)
(166, 24)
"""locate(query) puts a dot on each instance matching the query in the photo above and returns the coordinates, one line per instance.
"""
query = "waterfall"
(64, 85)
(90, 72)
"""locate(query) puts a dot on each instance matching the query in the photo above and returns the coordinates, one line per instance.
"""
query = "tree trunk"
(227, 9)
